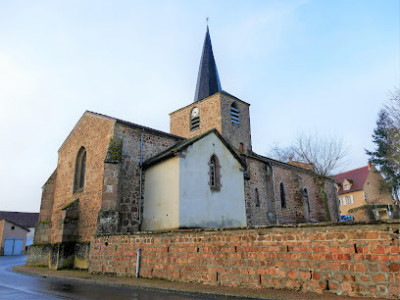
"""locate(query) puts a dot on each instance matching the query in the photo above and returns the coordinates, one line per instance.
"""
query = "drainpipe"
(273, 188)
(138, 262)
(140, 179)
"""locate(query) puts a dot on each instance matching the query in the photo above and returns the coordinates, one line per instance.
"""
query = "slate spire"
(208, 80)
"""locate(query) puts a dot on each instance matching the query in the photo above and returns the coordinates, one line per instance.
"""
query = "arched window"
(214, 173)
(235, 114)
(257, 198)
(283, 197)
(80, 166)
(305, 193)
(195, 119)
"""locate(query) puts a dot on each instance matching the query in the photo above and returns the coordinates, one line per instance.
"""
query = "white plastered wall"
(200, 206)
(161, 196)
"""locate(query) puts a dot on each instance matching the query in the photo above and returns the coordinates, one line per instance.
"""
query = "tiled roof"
(357, 177)
(20, 218)
(180, 146)
(134, 125)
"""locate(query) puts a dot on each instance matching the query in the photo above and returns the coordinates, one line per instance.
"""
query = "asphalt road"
(19, 286)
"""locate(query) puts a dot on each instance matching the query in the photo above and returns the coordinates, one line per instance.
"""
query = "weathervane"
(207, 20)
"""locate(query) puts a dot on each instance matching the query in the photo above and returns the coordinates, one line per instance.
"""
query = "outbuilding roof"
(23, 219)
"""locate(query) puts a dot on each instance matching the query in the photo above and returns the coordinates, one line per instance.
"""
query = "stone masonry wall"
(354, 260)
(46, 204)
(42, 232)
(236, 134)
(44, 225)
(210, 117)
(129, 180)
(265, 213)
(294, 181)
(215, 113)
(94, 133)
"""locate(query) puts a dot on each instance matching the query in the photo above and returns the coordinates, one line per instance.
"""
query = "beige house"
(360, 195)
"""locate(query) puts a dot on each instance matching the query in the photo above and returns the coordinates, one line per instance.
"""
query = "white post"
(138, 262)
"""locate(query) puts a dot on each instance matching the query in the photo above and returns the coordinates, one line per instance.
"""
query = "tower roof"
(208, 79)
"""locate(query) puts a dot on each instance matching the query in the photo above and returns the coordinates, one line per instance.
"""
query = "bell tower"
(213, 107)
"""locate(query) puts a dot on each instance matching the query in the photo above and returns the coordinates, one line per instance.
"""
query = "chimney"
(369, 165)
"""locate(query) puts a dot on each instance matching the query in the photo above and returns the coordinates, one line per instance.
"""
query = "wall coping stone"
(248, 228)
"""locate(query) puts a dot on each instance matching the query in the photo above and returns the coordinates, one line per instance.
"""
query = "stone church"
(115, 176)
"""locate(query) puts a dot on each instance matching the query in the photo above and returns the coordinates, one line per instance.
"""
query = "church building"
(115, 176)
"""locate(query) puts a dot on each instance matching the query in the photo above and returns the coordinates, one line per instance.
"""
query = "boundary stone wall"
(346, 259)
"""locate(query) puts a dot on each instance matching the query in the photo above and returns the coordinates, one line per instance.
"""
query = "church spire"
(208, 80)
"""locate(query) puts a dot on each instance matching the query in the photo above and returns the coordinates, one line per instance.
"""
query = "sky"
(318, 66)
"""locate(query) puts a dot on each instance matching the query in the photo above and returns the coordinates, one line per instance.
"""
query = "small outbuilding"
(12, 238)
(24, 219)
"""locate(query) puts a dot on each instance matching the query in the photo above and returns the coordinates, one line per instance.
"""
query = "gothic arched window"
(195, 119)
(306, 198)
(283, 196)
(214, 173)
(80, 166)
(257, 198)
(235, 119)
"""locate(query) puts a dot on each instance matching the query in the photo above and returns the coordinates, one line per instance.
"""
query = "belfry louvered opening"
(194, 119)
(195, 123)
(235, 113)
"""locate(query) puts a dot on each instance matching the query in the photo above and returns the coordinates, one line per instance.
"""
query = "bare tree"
(392, 106)
(325, 154)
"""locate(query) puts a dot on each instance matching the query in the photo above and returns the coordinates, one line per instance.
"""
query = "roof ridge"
(129, 123)
(351, 170)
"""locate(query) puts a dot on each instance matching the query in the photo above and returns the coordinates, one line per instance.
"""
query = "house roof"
(22, 219)
(182, 145)
(208, 82)
(356, 177)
